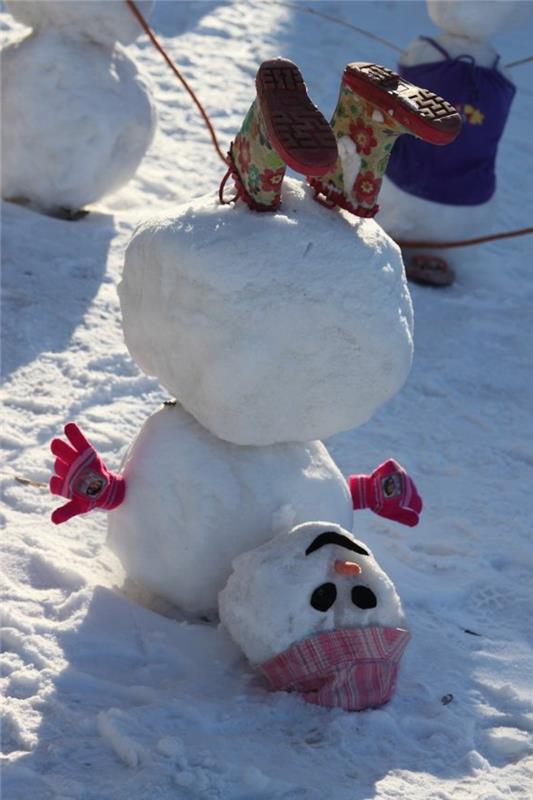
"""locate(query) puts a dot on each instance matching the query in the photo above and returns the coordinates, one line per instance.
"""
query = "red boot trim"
(297, 130)
(241, 193)
(330, 198)
(422, 112)
(367, 213)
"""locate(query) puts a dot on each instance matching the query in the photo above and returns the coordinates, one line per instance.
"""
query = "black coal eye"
(324, 596)
(363, 597)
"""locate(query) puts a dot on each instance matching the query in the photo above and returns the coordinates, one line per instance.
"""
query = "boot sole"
(422, 112)
(297, 130)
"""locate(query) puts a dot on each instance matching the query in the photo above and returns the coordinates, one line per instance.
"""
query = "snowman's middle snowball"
(193, 503)
(287, 326)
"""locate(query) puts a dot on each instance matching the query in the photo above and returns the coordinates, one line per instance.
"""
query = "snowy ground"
(106, 699)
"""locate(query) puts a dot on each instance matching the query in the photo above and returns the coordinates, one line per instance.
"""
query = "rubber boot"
(282, 128)
(376, 106)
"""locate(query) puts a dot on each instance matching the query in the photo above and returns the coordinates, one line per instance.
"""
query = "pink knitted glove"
(82, 476)
(389, 492)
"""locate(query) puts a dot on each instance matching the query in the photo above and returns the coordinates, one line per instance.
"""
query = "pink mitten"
(82, 476)
(389, 492)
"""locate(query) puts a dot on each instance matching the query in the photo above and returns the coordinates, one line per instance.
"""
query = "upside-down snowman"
(271, 330)
(77, 115)
(314, 613)
(449, 194)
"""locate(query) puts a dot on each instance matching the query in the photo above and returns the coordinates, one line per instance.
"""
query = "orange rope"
(146, 28)
(464, 242)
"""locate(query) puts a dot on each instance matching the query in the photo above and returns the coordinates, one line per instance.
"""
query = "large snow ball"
(100, 21)
(193, 503)
(270, 327)
(76, 120)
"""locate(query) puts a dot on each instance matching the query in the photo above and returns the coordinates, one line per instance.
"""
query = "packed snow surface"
(268, 328)
(107, 700)
(99, 21)
(265, 604)
(77, 119)
(194, 502)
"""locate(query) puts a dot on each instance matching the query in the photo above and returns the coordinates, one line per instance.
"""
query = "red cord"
(221, 188)
(464, 242)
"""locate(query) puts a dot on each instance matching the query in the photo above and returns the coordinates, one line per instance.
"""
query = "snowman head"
(100, 21)
(313, 610)
(477, 19)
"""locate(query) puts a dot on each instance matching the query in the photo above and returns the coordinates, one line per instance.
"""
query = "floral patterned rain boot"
(376, 106)
(282, 128)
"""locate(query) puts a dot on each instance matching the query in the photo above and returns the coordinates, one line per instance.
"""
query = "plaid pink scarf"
(354, 668)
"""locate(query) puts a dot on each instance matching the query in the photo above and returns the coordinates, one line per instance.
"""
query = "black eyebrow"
(332, 537)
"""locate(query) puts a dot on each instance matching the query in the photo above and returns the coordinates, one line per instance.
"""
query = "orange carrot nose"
(347, 568)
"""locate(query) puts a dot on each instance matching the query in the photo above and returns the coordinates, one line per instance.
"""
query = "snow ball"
(272, 327)
(98, 20)
(268, 602)
(406, 216)
(76, 120)
(477, 19)
(194, 502)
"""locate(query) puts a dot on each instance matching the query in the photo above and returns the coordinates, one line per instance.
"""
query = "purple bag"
(463, 172)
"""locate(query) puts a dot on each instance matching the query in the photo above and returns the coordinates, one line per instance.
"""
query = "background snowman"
(447, 194)
(77, 115)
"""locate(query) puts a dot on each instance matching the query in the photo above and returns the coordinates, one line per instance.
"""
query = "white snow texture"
(99, 21)
(477, 19)
(265, 604)
(194, 502)
(106, 700)
(289, 326)
(77, 117)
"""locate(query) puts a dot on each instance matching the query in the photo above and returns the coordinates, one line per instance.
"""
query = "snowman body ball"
(313, 611)
(194, 502)
(445, 194)
(77, 115)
